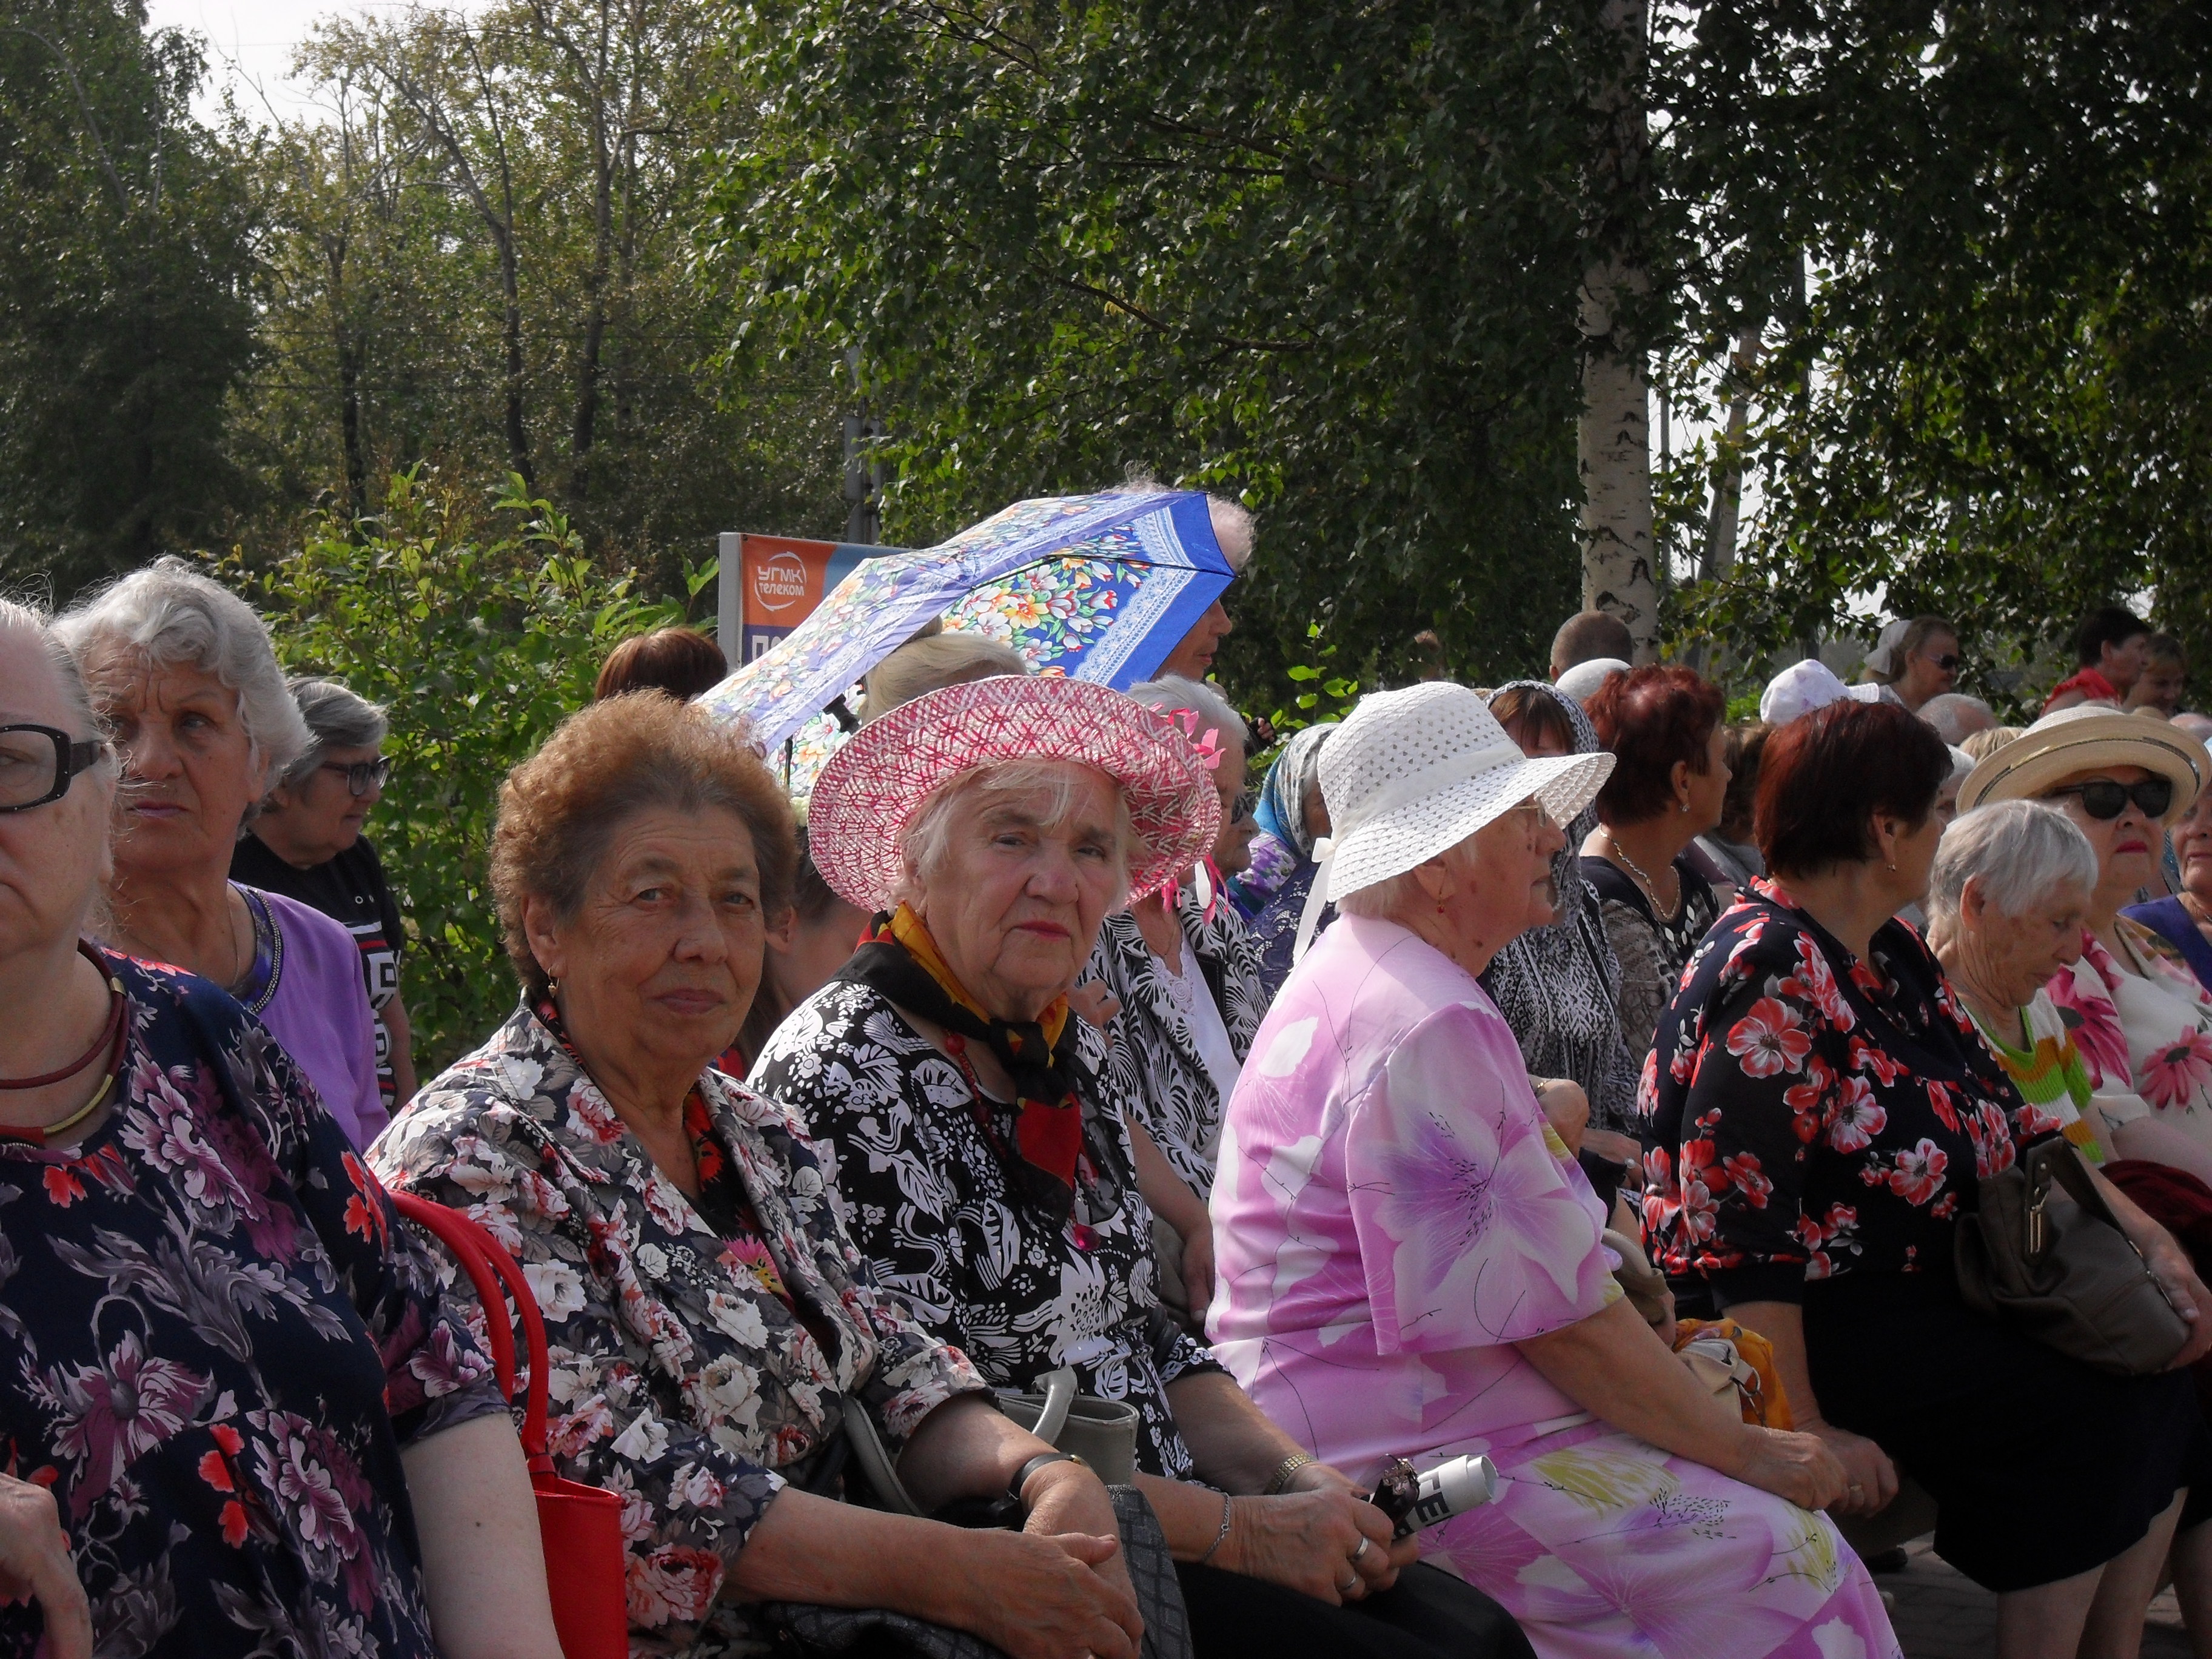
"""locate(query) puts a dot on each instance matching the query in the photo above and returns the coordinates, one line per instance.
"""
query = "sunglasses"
(2103, 799)
(1246, 804)
(1948, 662)
(363, 775)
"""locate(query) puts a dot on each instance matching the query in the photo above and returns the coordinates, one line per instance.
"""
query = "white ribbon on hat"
(1406, 791)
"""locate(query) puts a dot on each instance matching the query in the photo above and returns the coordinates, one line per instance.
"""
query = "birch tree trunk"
(1613, 445)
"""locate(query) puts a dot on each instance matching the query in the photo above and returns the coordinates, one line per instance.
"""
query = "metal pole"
(729, 627)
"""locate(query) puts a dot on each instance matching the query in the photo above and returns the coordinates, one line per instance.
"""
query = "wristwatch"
(1021, 1478)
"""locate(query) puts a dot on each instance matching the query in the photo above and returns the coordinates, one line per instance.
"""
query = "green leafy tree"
(479, 632)
(1972, 246)
(125, 308)
(1327, 257)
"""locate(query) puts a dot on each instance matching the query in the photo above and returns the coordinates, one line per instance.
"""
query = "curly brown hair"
(559, 809)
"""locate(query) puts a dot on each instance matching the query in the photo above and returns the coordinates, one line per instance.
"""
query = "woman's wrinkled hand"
(35, 1564)
(1054, 1595)
(2177, 1277)
(1306, 1540)
(1821, 1466)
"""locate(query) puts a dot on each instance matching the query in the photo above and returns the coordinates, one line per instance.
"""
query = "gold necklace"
(1650, 887)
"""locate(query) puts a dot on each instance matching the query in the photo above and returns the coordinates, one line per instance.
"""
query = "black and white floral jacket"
(1153, 1061)
(676, 1378)
(928, 1200)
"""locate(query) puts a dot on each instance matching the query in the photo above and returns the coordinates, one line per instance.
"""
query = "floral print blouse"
(2144, 1028)
(215, 1341)
(1154, 1060)
(1812, 1115)
(928, 1200)
(679, 1375)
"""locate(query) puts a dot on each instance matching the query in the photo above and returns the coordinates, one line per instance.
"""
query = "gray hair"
(2021, 850)
(1173, 691)
(1954, 715)
(928, 838)
(933, 662)
(16, 618)
(1231, 521)
(174, 615)
(337, 718)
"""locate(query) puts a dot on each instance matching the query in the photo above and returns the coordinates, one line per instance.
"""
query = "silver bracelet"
(1221, 1537)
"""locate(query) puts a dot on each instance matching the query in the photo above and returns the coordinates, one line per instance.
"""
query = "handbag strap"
(489, 1268)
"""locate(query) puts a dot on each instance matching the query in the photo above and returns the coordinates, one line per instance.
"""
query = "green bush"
(479, 634)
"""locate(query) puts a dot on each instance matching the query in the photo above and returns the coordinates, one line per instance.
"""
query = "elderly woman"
(1820, 1108)
(1186, 981)
(705, 1310)
(222, 1356)
(991, 1178)
(1411, 1265)
(306, 843)
(1553, 984)
(1289, 817)
(182, 674)
(1670, 776)
(2183, 920)
(2141, 1021)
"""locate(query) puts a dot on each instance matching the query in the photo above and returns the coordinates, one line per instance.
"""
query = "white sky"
(254, 41)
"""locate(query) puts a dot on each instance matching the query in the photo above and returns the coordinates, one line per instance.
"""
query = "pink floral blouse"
(2144, 1028)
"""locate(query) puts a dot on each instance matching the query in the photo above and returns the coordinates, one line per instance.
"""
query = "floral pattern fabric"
(676, 1376)
(1154, 1062)
(1393, 1215)
(2144, 1028)
(929, 1201)
(215, 1341)
(1812, 1115)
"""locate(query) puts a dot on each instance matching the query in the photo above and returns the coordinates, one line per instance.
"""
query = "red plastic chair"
(585, 1562)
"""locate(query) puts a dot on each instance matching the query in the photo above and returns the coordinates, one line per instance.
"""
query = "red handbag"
(585, 1562)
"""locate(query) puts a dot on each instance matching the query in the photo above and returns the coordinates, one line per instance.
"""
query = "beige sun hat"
(2088, 738)
(1411, 774)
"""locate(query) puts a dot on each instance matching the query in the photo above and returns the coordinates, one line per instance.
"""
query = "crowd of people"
(1559, 1073)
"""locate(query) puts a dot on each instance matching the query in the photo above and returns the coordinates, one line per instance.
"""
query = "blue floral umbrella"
(1097, 587)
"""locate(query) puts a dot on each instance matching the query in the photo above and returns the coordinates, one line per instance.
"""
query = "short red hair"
(1824, 776)
(1650, 717)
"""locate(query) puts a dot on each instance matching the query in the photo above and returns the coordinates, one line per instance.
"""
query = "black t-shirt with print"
(351, 890)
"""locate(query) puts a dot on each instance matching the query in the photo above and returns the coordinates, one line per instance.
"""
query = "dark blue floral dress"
(214, 1342)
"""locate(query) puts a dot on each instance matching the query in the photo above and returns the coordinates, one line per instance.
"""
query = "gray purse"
(2043, 1254)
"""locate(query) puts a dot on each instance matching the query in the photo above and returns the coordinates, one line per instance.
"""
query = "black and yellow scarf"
(901, 961)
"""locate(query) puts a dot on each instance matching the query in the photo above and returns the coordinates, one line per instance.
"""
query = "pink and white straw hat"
(875, 787)
(1411, 774)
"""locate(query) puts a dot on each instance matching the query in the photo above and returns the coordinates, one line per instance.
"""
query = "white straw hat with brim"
(875, 787)
(2088, 738)
(1412, 774)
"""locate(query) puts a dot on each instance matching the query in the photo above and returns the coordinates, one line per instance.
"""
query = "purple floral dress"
(1392, 1216)
(214, 1340)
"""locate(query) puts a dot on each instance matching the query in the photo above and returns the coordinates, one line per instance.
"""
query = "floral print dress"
(928, 1200)
(214, 1342)
(1154, 1060)
(2144, 1028)
(688, 1370)
(1393, 1215)
(1812, 1115)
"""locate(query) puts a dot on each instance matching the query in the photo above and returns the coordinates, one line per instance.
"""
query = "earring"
(1686, 806)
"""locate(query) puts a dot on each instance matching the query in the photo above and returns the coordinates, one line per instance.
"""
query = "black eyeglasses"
(363, 775)
(1948, 662)
(2104, 799)
(38, 764)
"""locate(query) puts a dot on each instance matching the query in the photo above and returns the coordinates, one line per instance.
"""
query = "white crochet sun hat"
(1411, 774)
